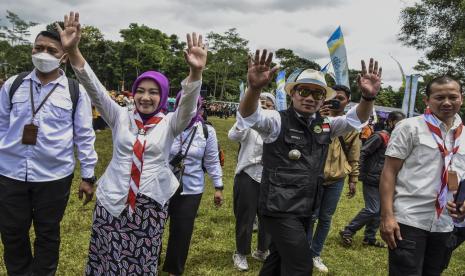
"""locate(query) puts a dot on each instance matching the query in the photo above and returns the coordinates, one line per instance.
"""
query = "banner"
(242, 90)
(293, 76)
(413, 95)
(338, 53)
(280, 93)
(405, 102)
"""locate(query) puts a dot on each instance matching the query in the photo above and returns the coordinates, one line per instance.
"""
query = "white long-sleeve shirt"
(52, 157)
(157, 181)
(250, 154)
(201, 152)
(268, 123)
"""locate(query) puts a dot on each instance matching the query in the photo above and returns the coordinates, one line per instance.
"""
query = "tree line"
(434, 27)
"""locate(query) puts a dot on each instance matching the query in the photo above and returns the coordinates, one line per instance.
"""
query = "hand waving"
(259, 73)
(370, 82)
(196, 53)
(71, 34)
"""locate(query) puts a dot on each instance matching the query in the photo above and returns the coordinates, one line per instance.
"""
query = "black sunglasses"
(317, 94)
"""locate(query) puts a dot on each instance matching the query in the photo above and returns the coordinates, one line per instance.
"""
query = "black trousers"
(245, 193)
(419, 253)
(290, 253)
(459, 236)
(22, 204)
(182, 211)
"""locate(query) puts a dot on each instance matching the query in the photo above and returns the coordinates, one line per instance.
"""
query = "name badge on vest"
(30, 134)
(452, 181)
(294, 154)
(317, 129)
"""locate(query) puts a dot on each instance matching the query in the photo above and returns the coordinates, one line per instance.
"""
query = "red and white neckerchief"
(326, 126)
(138, 157)
(433, 124)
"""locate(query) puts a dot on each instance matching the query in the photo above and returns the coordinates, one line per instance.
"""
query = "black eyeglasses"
(305, 92)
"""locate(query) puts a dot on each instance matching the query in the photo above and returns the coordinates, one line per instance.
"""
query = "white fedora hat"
(310, 76)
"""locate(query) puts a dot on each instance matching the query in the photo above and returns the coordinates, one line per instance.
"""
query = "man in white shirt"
(246, 190)
(295, 144)
(425, 160)
(39, 127)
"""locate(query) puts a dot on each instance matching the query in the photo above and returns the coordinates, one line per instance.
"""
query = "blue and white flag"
(405, 101)
(293, 76)
(326, 68)
(413, 95)
(338, 53)
(242, 90)
(280, 93)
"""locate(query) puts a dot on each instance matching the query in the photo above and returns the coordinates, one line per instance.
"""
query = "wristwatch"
(90, 180)
(368, 99)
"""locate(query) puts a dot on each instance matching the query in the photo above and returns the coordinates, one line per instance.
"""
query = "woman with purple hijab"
(199, 149)
(134, 191)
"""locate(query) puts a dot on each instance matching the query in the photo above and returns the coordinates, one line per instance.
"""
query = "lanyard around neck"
(35, 111)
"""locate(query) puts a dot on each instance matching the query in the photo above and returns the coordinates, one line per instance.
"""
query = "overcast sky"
(370, 27)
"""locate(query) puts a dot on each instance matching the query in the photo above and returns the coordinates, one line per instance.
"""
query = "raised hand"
(71, 34)
(259, 73)
(370, 82)
(196, 52)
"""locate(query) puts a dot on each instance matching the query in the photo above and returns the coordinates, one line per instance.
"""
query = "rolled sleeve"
(237, 135)
(84, 135)
(401, 141)
(266, 122)
(343, 124)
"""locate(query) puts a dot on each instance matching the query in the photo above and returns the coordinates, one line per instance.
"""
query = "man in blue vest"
(295, 145)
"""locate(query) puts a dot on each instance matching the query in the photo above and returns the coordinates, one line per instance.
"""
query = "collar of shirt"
(455, 124)
(61, 80)
(310, 118)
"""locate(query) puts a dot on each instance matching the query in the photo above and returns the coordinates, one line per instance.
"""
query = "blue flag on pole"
(413, 95)
(338, 53)
(242, 90)
(280, 93)
(405, 101)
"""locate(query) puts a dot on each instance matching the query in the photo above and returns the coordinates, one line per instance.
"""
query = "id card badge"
(452, 181)
(30, 134)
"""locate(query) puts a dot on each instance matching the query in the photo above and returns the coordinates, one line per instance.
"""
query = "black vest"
(293, 187)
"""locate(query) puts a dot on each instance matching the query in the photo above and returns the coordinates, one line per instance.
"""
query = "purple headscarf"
(197, 117)
(162, 82)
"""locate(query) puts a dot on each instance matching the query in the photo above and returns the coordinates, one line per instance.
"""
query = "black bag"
(177, 162)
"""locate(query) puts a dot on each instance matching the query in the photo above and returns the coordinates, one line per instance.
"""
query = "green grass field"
(213, 240)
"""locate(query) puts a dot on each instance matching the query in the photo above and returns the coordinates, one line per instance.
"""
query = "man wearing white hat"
(295, 145)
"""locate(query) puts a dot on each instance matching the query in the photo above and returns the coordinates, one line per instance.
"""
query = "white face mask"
(45, 62)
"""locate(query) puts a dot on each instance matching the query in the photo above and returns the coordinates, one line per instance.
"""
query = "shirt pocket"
(427, 142)
(60, 109)
(20, 104)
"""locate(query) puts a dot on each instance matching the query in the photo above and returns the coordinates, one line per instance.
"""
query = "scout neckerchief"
(433, 125)
(138, 157)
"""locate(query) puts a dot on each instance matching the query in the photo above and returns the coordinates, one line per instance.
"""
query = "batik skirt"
(129, 244)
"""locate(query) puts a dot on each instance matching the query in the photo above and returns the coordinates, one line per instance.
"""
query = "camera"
(334, 104)
(176, 161)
